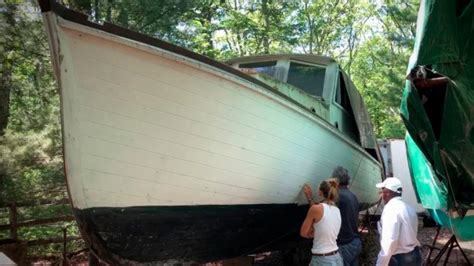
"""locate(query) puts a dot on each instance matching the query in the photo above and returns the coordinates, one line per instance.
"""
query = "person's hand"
(308, 192)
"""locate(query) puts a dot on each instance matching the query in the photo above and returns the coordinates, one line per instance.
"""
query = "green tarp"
(440, 119)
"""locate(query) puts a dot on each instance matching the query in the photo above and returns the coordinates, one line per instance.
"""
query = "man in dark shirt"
(348, 240)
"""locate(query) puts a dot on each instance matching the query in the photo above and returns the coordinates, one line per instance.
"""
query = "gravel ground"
(426, 236)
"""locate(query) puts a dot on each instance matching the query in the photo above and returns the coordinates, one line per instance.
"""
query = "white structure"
(394, 155)
(5, 260)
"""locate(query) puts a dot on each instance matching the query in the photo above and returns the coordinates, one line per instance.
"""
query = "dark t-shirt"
(349, 207)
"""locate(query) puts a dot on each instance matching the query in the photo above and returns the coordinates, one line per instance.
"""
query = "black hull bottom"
(190, 233)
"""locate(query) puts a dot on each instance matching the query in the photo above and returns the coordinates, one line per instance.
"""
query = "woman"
(322, 223)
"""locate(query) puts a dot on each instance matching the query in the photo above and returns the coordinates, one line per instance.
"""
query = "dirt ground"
(371, 248)
(425, 236)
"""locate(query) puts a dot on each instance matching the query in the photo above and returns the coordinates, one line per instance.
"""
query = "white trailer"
(395, 160)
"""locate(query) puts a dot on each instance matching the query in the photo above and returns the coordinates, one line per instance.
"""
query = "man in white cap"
(398, 227)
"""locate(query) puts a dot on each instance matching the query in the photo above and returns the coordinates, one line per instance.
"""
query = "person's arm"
(308, 192)
(421, 82)
(314, 215)
(430, 83)
(389, 235)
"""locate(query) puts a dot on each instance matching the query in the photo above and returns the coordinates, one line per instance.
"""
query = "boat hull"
(191, 233)
(170, 157)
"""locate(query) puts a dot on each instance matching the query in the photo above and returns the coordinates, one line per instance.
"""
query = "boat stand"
(367, 223)
(452, 243)
(369, 220)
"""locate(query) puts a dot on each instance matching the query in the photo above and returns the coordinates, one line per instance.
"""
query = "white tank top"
(326, 230)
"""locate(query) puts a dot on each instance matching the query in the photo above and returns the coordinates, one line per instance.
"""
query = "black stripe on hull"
(190, 233)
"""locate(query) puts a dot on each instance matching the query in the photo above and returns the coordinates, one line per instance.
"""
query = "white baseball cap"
(391, 183)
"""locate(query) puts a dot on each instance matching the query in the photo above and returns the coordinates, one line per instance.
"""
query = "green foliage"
(379, 68)
(258, 28)
(29, 163)
(33, 97)
(31, 147)
(52, 231)
(31, 166)
(161, 19)
(376, 79)
(320, 25)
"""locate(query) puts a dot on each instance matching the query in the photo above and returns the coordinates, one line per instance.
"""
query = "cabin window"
(309, 78)
(262, 67)
(342, 98)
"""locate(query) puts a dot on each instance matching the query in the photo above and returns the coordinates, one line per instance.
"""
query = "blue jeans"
(333, 260)
(350, 252)
(412, 258)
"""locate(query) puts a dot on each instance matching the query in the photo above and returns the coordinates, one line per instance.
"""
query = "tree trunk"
(6, 66)
(5, 86)
(266, 42)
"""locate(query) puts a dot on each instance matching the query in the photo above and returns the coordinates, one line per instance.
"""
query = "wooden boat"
(437, 110)
(170, 155)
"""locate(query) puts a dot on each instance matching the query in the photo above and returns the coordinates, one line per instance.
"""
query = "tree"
(256, 28)
(7, 26)
(380, 66)
(320, 25)
(160, 19)
(30, 145)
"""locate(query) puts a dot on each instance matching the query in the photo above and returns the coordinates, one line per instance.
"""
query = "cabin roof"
(316, 59)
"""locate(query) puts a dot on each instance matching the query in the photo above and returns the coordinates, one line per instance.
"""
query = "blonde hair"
(329, 189)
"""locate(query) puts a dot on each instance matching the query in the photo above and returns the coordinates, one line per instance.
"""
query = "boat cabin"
(315, 82)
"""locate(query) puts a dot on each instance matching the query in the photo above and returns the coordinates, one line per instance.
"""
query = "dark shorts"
(412, 258)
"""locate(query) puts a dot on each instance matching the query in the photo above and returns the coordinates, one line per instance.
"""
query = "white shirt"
(398, 228)
(326, 230)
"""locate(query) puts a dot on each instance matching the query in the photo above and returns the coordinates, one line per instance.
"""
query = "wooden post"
(13, 221)
(93, 260)
(65, 246)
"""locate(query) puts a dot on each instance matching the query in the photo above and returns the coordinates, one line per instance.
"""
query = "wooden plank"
(35, 203)
(47, 241)
(46, 221)
(13, 222)
(37, 222)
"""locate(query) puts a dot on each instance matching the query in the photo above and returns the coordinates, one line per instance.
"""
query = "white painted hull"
(145, 127)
